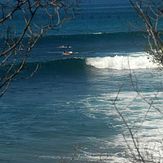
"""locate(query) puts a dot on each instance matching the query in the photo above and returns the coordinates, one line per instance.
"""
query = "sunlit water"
(67, 111)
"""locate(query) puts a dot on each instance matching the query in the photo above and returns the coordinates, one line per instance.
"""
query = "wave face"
(113, 62)
(122, 62)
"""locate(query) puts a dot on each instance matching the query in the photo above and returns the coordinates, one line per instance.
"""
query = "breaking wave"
(116, 62)
(136, 61)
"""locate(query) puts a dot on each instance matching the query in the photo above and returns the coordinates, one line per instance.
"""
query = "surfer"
(64, 47)
(68, 53)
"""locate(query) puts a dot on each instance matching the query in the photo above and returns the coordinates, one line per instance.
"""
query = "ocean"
(67, 111)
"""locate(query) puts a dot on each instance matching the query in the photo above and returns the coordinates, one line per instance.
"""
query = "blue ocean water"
(66, 111)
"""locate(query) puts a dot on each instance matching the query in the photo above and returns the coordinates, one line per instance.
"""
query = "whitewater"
(132, 61)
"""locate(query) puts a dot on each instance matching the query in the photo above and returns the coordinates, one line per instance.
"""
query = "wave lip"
(122, 62)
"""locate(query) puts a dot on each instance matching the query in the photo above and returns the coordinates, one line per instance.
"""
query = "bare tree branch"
(17, 42)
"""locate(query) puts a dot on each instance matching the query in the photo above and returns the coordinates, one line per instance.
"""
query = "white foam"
(146, 124)
(133, 61)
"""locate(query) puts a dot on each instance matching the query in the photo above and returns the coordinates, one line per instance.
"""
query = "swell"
(61, 66)
(96, 34)
(134, 61)
(71, 36)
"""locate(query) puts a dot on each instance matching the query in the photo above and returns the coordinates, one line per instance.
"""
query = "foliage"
(151, 12)
(21, 27)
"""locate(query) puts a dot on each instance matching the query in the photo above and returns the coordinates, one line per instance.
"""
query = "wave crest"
(122, 62)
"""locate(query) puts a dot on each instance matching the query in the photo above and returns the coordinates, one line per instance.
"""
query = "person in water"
(64, 47)
(68, 53)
